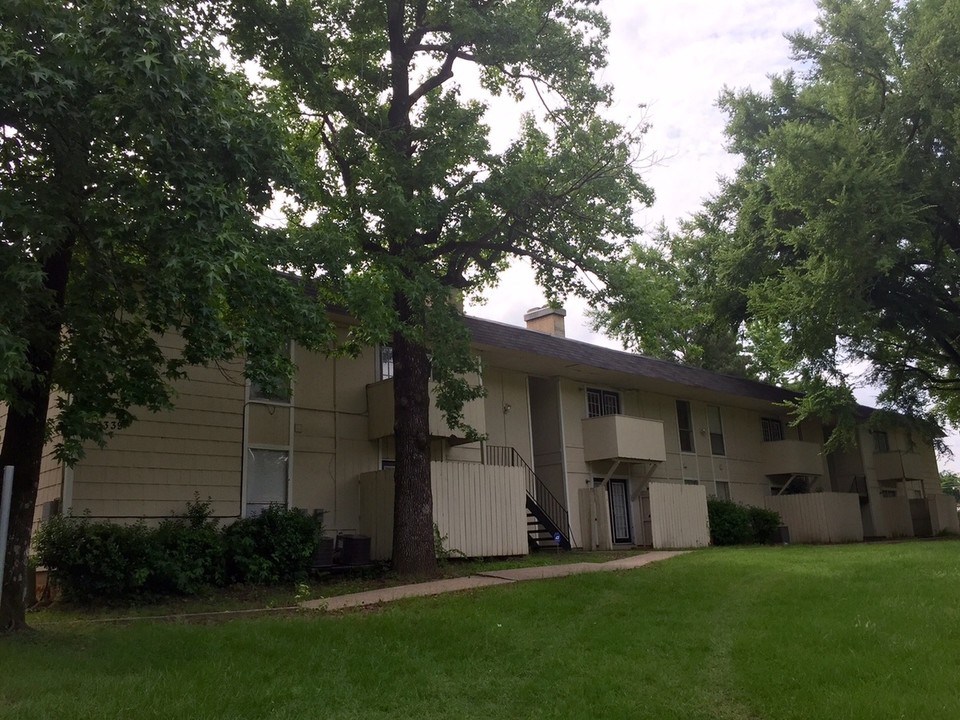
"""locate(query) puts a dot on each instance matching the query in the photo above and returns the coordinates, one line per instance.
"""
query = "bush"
(189, 553)
(733, 524)
(104, 561)
(763, 524)
(95, 560)
(276, 546)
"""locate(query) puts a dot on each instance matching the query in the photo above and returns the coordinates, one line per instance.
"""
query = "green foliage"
(189, 552)
(275, 546)
(735, 524)
(96, 560)
(950, 483)
(836, 244)
(135, 168)
(399, 182)
(763, 524)
(102, 561)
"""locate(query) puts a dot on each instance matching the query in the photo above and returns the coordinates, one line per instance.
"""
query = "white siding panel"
(819, 517)
(478, 508)
(678, 515)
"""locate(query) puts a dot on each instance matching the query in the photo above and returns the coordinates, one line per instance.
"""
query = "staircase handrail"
(507, 456)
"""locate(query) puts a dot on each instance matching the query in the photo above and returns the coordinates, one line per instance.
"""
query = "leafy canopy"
(401, 186)
(132, 169)
(837, 244)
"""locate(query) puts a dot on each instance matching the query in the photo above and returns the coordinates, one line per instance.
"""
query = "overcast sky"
(674, 57)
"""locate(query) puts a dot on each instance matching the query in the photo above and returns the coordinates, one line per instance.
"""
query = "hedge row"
(733, 524)
(99, 560)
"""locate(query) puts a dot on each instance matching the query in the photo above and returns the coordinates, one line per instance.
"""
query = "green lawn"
(794, 632)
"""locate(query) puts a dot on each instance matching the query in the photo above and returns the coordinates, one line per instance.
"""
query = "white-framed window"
(267, 473)
(602, 402)
(685, 426)
(722, 489)
(715, 424)
(771, 429)
(281, 396)
(881, 441)
(384, 362)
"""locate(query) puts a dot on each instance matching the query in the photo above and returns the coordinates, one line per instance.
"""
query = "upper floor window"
(685, 426)
(602, 402)
(716, 430)
(772, 429)
(881, 441)
(281, 392)
(386, 362)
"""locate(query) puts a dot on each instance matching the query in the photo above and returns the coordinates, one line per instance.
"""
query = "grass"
(860, 631)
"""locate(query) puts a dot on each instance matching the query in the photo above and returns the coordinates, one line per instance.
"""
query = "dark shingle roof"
(510, 337)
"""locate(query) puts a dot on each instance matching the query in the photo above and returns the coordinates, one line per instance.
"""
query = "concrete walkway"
(482, 580)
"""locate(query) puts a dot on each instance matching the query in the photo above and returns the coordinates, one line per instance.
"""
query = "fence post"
(6, 492)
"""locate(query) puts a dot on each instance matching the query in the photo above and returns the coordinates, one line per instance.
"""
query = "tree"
(661, 311)
(403, 179)
(950, 484)
(133, 169)
(837, 243)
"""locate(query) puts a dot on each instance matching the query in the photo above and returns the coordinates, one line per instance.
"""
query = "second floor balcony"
(897, 465)
(791, 457)
(621, 437)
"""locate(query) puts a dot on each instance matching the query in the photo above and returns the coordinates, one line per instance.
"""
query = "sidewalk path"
(482, 580)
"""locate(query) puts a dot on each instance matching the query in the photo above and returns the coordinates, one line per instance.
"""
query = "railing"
(536, 489)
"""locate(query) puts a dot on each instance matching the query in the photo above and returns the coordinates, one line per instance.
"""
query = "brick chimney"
(546, 320)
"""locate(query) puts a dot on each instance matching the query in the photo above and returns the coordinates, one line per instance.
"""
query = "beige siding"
(943, 514)
(678, 516)
(479, 509)
(819, 517)
(507, 408)
(894, 513)
(594, 519)
(155, 466)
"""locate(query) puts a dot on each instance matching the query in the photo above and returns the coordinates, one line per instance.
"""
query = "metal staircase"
(548, 523)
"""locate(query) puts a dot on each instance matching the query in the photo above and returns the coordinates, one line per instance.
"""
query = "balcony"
(791, 457)
(897, 465)
(380, 409)
(619, 437)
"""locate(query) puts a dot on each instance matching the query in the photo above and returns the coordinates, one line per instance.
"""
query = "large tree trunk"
(26, 432)
(23, 442)
(413, 550)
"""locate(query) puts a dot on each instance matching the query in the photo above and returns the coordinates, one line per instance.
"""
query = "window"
(258, 392)
(386, 362)
(280, 393)
(685, 426)
(722, 489)
(772, 429)
(881, 442)
(266, 479)
(602, 402)
(716, 430)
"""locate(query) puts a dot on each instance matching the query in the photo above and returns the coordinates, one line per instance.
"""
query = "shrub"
(276, 546)
(733, 524)
(101, 561)
(95, 560)
(189, 552)
(763, 524)
(729, 523)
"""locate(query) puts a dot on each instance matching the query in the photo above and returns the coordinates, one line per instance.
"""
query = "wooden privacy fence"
(895, 516)
(819, 517)
(678, 516)
(943, 514)
(479, 509)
